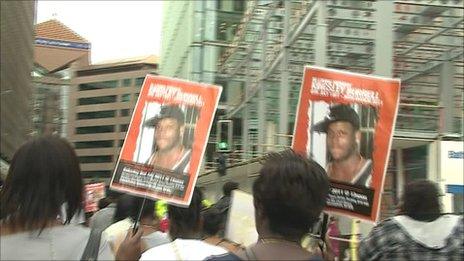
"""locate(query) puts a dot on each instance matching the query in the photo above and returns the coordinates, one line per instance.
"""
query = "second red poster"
(345, 122)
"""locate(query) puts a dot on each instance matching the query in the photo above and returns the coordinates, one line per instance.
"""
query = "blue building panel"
(455, 189)
(61, 43)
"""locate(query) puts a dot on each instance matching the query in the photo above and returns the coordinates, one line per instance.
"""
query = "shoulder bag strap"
(91, 250)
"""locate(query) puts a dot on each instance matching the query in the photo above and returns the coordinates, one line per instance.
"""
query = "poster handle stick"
(139, 215)
(137, 220)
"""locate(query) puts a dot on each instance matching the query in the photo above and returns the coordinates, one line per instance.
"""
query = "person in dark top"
(101, 220)
(223, 203)
(289, 195)
(212, 224)
(343, 136)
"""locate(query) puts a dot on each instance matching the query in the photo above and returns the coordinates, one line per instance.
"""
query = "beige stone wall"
(118, 135)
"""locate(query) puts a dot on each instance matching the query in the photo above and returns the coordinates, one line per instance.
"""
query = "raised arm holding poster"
(345, 121)
(166, 139)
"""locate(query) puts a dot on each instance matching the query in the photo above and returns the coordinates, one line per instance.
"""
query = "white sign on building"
(451, 167)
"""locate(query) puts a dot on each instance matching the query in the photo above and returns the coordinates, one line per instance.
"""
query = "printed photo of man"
(343, 135)
(168, 149)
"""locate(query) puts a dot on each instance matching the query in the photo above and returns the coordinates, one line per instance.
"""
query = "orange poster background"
(388, 90)
(210, 95)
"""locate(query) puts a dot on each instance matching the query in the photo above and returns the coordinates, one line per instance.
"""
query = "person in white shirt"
(148, 224)
(121, 220)
(185, 230)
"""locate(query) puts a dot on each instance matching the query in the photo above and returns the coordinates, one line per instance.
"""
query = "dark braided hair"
(291, 191)
(186, 220)
(421, 200)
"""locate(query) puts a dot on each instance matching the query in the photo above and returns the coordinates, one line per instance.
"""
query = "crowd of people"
(42, 217)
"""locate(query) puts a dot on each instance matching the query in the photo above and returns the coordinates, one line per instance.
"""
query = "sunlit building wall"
(101, 100)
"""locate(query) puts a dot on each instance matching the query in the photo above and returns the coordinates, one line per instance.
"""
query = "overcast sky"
(116, 29)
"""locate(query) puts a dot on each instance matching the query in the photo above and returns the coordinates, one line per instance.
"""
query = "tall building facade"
(419, 42)
(57, 49)
(17, 38)
(195, 35)
(101, 100)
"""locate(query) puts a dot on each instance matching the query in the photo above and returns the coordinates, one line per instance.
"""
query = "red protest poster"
(166, 139)
(345, 121)
(92, 194)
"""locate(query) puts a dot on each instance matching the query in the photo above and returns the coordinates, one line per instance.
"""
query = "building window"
(98, 85)
(95, 115)
(139, 81)
(96, 173)
(136, 95)
(127, 82)
(415, 163)
(93, 144)
(95, 129)
(123, 127)
(121, 142)
(97, 100)
(125, 97)
(222, 32)
(96, 159)
(124, 112)
(239, 5)
(219, 4)
(234, 30)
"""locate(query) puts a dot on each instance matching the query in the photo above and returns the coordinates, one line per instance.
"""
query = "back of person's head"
(44, 174)
(212, 221)
(186, 220)
(124, 208)
(228, 187)
(421, 200)
(147, 209)
(290, 193)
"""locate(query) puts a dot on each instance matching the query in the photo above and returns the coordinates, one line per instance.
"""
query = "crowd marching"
(42, 217)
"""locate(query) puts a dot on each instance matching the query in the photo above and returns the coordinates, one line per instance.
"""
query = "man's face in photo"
(168, 134)
(341, 140)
